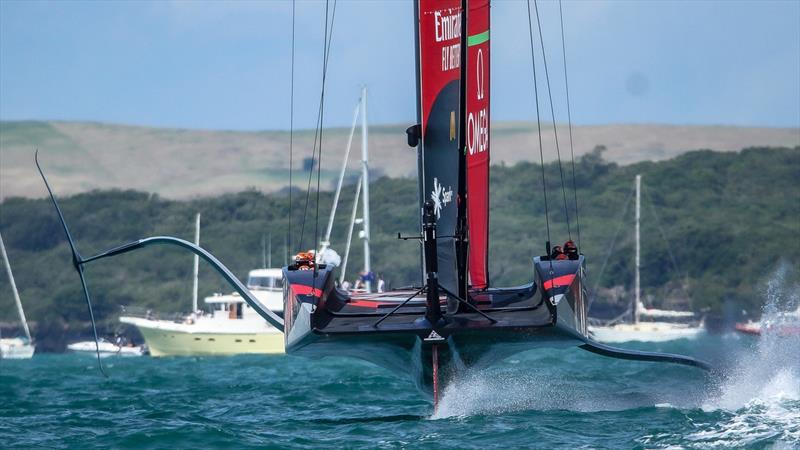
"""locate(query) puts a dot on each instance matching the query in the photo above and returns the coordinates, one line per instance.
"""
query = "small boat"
(648, 324)
(106, 348)
(232, 327)
(787, 324)
(16, 347)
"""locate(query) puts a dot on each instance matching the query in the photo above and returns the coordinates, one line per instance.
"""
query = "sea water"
(545, 398)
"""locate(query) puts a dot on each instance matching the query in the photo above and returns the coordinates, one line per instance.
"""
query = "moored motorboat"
(231, 328)
(784, 324)
(105, 348)
(16, 348)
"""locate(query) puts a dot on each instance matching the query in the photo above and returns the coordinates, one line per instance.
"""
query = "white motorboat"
(15, 348)
(106, 348)
(231, 328)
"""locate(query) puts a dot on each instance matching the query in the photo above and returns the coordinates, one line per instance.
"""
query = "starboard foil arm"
(635, 355)
(79, 262)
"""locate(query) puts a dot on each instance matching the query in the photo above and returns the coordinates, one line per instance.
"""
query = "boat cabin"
(265, 284)
(265, 279)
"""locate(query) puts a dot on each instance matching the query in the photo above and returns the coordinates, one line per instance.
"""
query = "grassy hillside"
(182, 164)
(727, 219)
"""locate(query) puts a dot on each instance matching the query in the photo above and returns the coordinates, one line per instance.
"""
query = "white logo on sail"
(479, 74)
(478, 121)
(440, 197)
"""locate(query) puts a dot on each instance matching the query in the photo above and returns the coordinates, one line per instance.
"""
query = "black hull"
(336, 323)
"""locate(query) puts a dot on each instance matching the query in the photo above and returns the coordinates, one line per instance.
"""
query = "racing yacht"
(454, 319)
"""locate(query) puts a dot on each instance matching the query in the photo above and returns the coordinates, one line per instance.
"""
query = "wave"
(760, 394)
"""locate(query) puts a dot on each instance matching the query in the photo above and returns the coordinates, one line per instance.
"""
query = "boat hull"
(168, 339)
(16, 348)
(645, 332)
(322, 320)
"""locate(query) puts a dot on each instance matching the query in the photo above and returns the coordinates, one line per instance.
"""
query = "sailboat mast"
(263, 251)
(196, 262)
(326, 242)
(350, 231)
(637, 287)
(365, 181)
(14, 289)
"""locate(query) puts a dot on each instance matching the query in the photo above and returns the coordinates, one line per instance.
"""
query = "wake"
(761, 392)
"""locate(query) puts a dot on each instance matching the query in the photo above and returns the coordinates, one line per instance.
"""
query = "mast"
(196, 262)
(637, 287)
(350, 232)
(438, 132)
(263, 251)
(14, 289)
(326, 242)
(365, 181)
(269, 252)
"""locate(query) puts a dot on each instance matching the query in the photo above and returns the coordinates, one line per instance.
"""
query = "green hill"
(727, 219)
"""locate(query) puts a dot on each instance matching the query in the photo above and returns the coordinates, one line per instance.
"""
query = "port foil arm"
(78, 262)
(272, 318)
(619, 353)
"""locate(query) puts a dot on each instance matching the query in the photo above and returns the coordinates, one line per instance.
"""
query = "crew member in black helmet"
(570, 250)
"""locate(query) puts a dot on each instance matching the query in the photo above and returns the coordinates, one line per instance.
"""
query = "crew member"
(570, 250)
(557, 254)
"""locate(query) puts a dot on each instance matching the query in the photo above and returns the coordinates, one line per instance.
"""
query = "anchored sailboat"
(455, 319)
(15, 348)
(648, 324)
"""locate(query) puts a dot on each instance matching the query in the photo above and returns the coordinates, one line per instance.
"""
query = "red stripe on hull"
(556, 282)
(301, 289)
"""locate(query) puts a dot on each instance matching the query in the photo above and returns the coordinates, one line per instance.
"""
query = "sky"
(227, 65)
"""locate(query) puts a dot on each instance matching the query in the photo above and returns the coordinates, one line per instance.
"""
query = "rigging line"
(569, 121)
(326, 51)
(310, 174)
(553, 115)
(291, 132)
(321, 122)
(664, 238)
(610, 250)
(539, 127)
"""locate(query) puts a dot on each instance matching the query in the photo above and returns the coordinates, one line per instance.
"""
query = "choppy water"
(540, 399)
